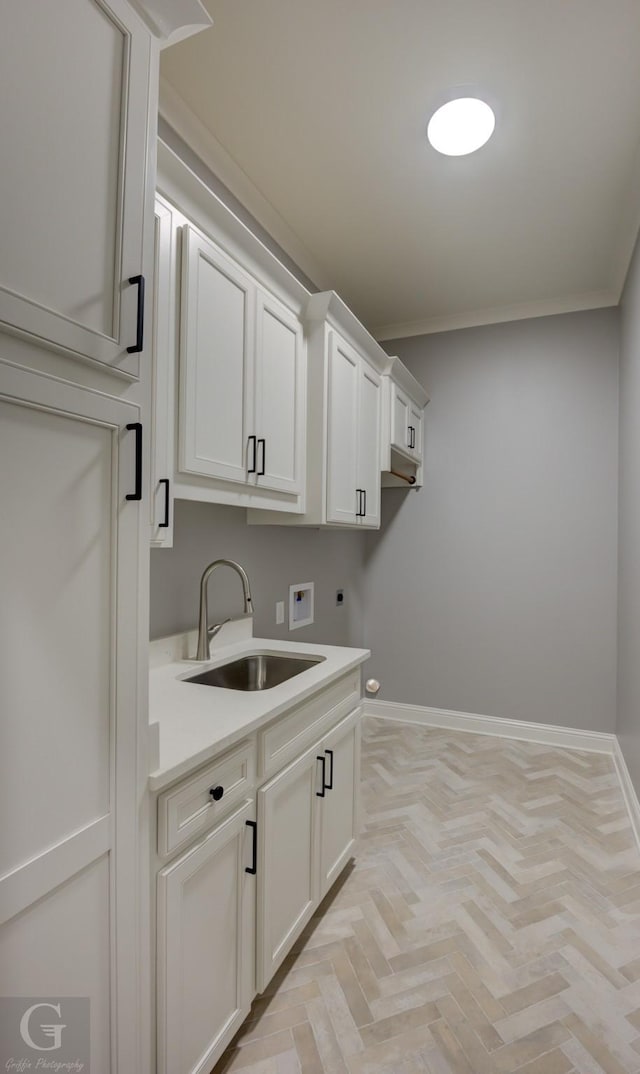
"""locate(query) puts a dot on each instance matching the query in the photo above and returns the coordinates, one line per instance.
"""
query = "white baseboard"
(628, 790)
(545, 734)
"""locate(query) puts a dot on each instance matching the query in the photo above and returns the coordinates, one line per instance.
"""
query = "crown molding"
(327, 305)
(592, 300)
(174, 20)
(406, 380)
(212, 153)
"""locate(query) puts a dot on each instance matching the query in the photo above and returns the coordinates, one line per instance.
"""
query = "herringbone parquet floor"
(491, 923)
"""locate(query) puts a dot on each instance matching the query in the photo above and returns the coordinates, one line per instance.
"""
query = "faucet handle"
(217, 627)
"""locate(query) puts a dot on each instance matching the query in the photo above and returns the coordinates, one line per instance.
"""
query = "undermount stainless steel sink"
(256, 671)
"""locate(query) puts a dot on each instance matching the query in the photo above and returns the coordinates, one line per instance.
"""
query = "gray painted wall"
(274, 557)
(493, 590)
(628, 727)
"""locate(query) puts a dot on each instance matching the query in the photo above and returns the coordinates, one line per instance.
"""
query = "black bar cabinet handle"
(264, 456)
(411, 436)
(359, 507)
(364, 507)
(323, 760)
(139, 280)
(253, 869)
(165, 525)
(251, 447)
(330, 783)
(136, 427)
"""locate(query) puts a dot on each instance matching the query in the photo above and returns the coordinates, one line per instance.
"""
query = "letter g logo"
(52, 1031)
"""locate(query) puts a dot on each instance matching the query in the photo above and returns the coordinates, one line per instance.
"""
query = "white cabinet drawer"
(189, 808)
(290, 735)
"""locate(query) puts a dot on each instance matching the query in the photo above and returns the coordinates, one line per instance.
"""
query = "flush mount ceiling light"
(461, 126)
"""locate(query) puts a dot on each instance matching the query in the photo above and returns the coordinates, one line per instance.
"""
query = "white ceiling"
(314, 114)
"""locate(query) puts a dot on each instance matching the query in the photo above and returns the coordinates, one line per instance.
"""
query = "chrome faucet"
(205, 632)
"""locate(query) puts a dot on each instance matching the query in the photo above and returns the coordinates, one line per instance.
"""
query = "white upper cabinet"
(353, 437)
(344, 417)
(242, 377)
(279, 397)
(343, 495)
(369, 411)
(400, 435)
(218, 329)
(406, 424)
(404, 400)
(74, 158)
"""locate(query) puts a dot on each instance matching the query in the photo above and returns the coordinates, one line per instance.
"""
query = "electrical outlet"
(279, 612)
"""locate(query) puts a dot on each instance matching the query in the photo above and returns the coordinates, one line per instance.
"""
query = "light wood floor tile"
(490, 924)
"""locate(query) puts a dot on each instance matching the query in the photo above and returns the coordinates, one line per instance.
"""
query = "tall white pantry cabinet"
(78, 104)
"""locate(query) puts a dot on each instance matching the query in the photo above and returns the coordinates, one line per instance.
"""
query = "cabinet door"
(369, 445)
(216, 355)
(280, 385)
(206, 910)
(74, 84)
(339, 806)
(288, 860)
(400, 420)
(163, 377)
(68, 668)
(415, 421)
(342, 432)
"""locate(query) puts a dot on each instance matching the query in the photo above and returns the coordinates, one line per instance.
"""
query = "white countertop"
(196, 722)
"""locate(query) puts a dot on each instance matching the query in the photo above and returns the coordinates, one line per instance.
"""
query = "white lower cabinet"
(288, 871)
(230, 908)
(206, 915)
(339, 809)
(307, 818)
